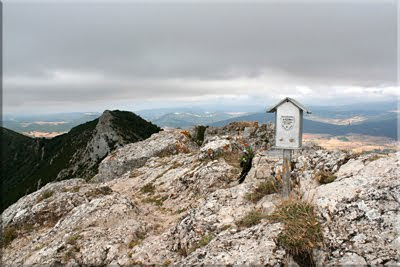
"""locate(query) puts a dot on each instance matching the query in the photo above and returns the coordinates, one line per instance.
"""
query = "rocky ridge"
(168, 200)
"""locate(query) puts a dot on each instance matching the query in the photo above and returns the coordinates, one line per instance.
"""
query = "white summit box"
(288, 123)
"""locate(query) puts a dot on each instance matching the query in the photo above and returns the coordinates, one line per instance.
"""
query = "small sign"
(288, 123)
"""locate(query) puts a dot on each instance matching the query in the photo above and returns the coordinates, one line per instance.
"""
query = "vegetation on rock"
(325, 177)
(245, 162)
(252, 218)
(302, 231)
(265, 188)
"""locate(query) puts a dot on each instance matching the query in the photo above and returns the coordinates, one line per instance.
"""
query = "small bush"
(98, 191)
(251, 218)
(139, 237)
(72, 239)
(324, 177)
(46, 194)
(8, 235)
(133, 243)
(167, 262)
(148, 188)
(157, 200)
(186, 133)
(374, 157)
(225, 227)
(302, 231)
(245, 162)
(205, 239)
(263, 189)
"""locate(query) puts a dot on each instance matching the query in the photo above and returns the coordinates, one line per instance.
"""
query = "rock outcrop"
(167, 200)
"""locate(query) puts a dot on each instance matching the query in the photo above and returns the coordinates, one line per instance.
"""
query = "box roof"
(288, 99)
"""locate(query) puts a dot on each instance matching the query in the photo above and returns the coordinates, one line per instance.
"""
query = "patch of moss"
(148, 188)
(252, 218)
(156, 200)
(8, 235)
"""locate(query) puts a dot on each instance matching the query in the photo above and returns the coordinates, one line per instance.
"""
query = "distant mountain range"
(61, 122)
(387, 125)
(378, 119)
(30, 163)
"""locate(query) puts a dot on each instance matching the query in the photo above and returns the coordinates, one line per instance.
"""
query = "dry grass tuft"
(302, 231)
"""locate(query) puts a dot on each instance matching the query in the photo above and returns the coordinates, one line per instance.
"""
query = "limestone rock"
(135, 155)
(161, 201)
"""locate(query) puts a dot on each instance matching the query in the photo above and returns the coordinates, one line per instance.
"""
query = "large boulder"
(362, 213)
(135, 155)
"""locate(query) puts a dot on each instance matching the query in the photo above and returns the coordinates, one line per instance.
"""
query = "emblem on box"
(287, 122)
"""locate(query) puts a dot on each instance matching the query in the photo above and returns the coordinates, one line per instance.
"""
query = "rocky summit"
(176, 198)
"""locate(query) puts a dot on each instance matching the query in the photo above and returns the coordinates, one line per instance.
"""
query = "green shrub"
(302, 231)
(46, 194)
(263, 189)
(251, 218)
(245, 162)
(205, 239)
(148, 188)
(324, 177)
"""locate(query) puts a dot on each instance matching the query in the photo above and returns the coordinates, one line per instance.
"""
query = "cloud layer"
(87, 55)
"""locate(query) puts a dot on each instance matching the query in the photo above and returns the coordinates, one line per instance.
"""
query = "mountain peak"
(32, 163)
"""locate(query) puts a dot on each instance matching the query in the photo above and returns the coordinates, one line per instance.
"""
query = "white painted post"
(287, 159)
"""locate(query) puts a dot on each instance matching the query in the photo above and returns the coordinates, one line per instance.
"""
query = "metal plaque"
(287, 122)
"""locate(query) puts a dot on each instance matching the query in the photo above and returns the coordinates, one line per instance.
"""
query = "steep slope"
(31, 163)
(178, 203)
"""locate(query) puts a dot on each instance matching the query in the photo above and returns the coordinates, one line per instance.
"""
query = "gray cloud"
(62, 52)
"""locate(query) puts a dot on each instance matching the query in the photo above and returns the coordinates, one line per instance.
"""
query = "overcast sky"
(74, 56)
